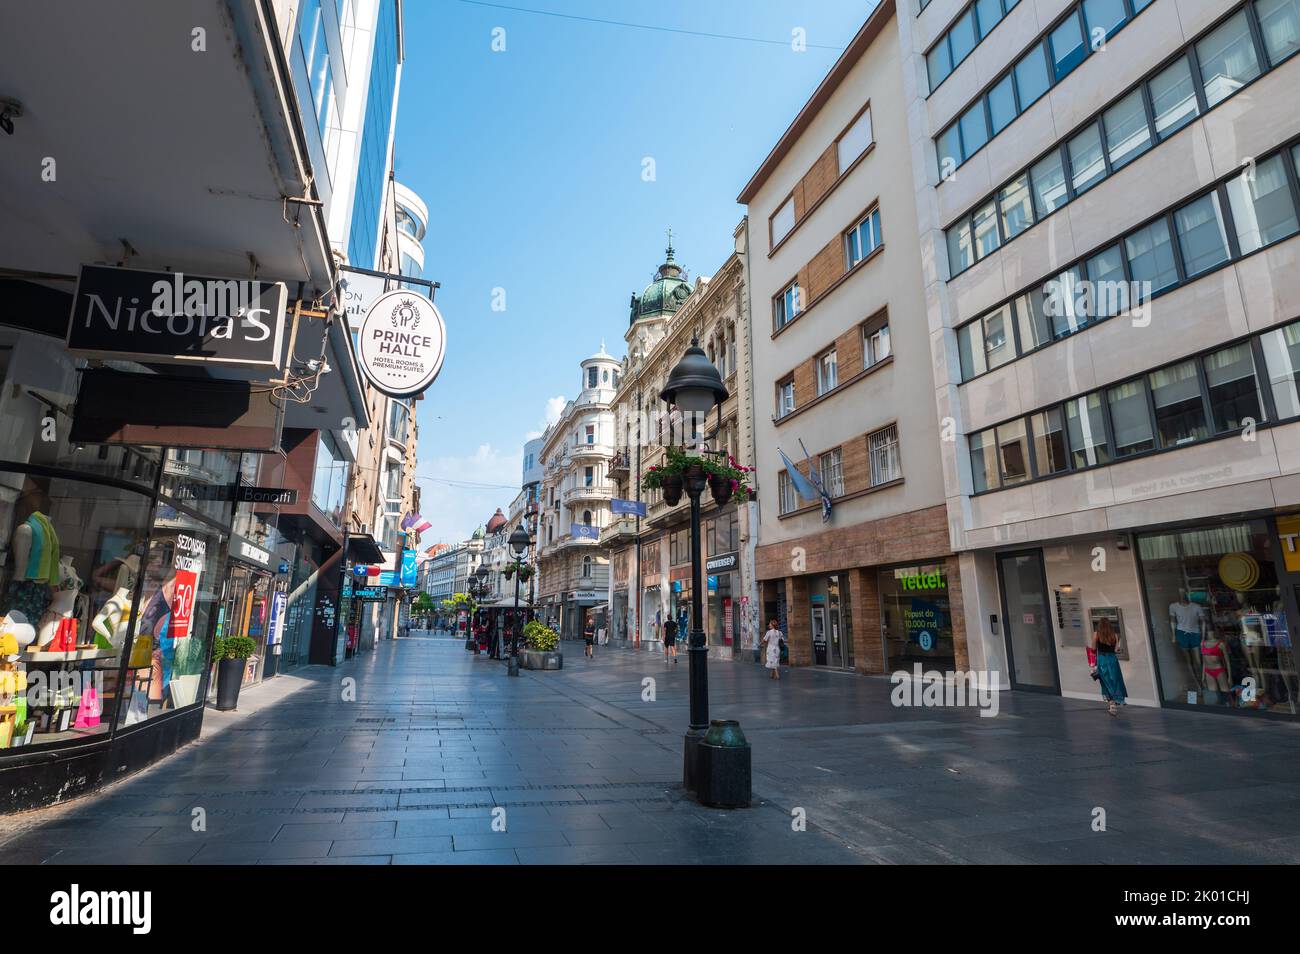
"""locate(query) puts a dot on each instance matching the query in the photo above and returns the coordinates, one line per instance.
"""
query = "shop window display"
(171, 648)
(1218, 618)
(70, 555)
(916, 618)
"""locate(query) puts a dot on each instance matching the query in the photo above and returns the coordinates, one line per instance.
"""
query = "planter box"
(531, 659)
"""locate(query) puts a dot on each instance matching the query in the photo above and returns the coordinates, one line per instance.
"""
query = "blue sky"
(531, 161)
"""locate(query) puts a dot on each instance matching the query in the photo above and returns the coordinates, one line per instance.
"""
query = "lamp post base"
(512, 666)
(691, 759)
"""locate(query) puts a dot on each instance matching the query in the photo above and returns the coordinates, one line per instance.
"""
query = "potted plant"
(508, 571)
(234, 650)
(187, 669)
(725, 479)
(525, 574)
(541, 642)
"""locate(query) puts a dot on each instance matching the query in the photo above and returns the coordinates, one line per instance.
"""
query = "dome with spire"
(478, 534)
(665, 294)
(497, 522)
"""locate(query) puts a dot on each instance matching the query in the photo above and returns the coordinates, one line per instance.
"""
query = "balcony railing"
(620, 530)
(588, 492)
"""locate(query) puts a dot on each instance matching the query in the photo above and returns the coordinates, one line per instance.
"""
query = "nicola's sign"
(171, 318)
(401, 343)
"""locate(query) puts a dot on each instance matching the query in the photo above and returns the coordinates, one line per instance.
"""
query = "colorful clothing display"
(29, 597)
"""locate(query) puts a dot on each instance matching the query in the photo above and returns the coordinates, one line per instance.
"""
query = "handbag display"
(141, 652)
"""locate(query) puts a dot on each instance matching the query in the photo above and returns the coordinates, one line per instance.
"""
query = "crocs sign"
(401, 343)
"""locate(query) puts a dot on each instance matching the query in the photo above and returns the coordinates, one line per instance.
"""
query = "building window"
(1235, 398)
(586, 568)
(1227, 58)
(875, 344)
(588, 476)
(831, 466)
(1173, 98)
(1013, 452)
(586, 518)
(592, 379)
(863, 238)
(854, 142)
(1085, 426)
(1279, 25)
(784, 397)
(1127, 132)
(1262, 208)
(1151, 255)
(983, 461)
(1068, 49)
(827, 372)
(1130, 419)
(1202, 236)
(785, 493)
(591, 434)
(783, 221)
(882, 450)
(787, 305)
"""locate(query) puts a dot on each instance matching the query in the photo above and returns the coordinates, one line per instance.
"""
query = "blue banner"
(635, 508)
(408, 569)
(584, 531)
(390, 578)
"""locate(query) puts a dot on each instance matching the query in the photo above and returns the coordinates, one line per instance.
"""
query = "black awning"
(362, 548)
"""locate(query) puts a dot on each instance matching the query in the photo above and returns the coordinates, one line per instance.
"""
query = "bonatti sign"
(401, 343)
(170, 318)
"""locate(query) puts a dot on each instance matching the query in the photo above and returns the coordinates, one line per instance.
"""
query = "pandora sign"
(401, 343)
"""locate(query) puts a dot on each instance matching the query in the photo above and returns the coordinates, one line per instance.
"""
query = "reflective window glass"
(1048, 176)
(1234, 390)
(1201, 234)
(1151, 256)
(1262, 209)
(1017, 207)
(1127, 132)
(1227, 58)
(1173, 97)
(1087, 164)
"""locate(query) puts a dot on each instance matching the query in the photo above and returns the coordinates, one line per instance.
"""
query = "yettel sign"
(401, 343)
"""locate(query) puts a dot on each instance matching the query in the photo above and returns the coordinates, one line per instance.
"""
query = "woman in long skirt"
(1104, 643)
(772, 639)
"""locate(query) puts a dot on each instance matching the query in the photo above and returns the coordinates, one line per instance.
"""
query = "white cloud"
(455, 500)
(554, 408)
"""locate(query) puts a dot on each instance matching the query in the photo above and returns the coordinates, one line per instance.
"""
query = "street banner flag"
(413, 522)
(634, 507)
(814, 474)
(805, 488)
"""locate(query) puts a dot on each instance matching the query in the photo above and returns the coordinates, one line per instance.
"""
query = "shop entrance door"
(1031, 650)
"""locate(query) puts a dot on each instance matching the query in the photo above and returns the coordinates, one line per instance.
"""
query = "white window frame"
(831, 466)
(785, 494)
(872, 353)
(847, 139)
(828, 372)
(781, 225)
(786, 305)
(854, 249)
(885, 463)
(785, 398)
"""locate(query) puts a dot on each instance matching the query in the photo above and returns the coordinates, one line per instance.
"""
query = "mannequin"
(111, 624)
(34, 554)
(1187, 625)
(1217, 666)
(1254, 638)
(58, 625)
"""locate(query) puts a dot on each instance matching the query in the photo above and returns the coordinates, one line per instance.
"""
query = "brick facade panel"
(825, 269)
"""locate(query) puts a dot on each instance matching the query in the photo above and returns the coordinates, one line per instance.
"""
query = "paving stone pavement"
(587, 772)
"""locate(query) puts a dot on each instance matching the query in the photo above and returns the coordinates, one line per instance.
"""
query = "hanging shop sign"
(408, 568)
(188, 490)
(401, 343)
(368, 594)
(721, 563)
(244, 549)
(276, 626)
(175, 318)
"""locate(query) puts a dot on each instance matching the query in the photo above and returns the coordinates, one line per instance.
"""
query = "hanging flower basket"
(721, 488)
(509, 571)
(727, 479)
(525, 574)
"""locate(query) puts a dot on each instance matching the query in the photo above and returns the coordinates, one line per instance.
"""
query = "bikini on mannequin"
(1218, 667)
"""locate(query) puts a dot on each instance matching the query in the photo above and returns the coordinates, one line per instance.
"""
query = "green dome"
(664, 295)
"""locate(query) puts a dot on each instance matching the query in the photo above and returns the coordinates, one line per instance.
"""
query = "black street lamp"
(519, 542)
(695, 387)
(477, 589)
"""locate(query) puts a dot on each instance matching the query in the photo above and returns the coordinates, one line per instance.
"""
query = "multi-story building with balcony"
(864, 577)
(575, 494)
(1108, 205)
(650, 578)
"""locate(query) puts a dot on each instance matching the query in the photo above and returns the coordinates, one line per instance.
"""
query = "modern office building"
(1107, 193)
(865, 579)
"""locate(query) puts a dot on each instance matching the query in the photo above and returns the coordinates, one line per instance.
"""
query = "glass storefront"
(1217, 602)
(916, 618)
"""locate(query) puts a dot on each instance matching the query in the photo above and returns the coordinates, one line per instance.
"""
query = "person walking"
(670, 640)
(1105, 664)
(772, 640)
(589, 637)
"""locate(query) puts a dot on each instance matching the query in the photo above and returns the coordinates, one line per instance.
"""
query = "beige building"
(575, 493)
(650, 578)
(1108, 207)
(841, 368)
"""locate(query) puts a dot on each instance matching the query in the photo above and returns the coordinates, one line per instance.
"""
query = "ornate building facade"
(650, 557)
(575, 494)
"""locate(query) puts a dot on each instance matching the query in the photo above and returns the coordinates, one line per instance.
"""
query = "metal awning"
(363, 548)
